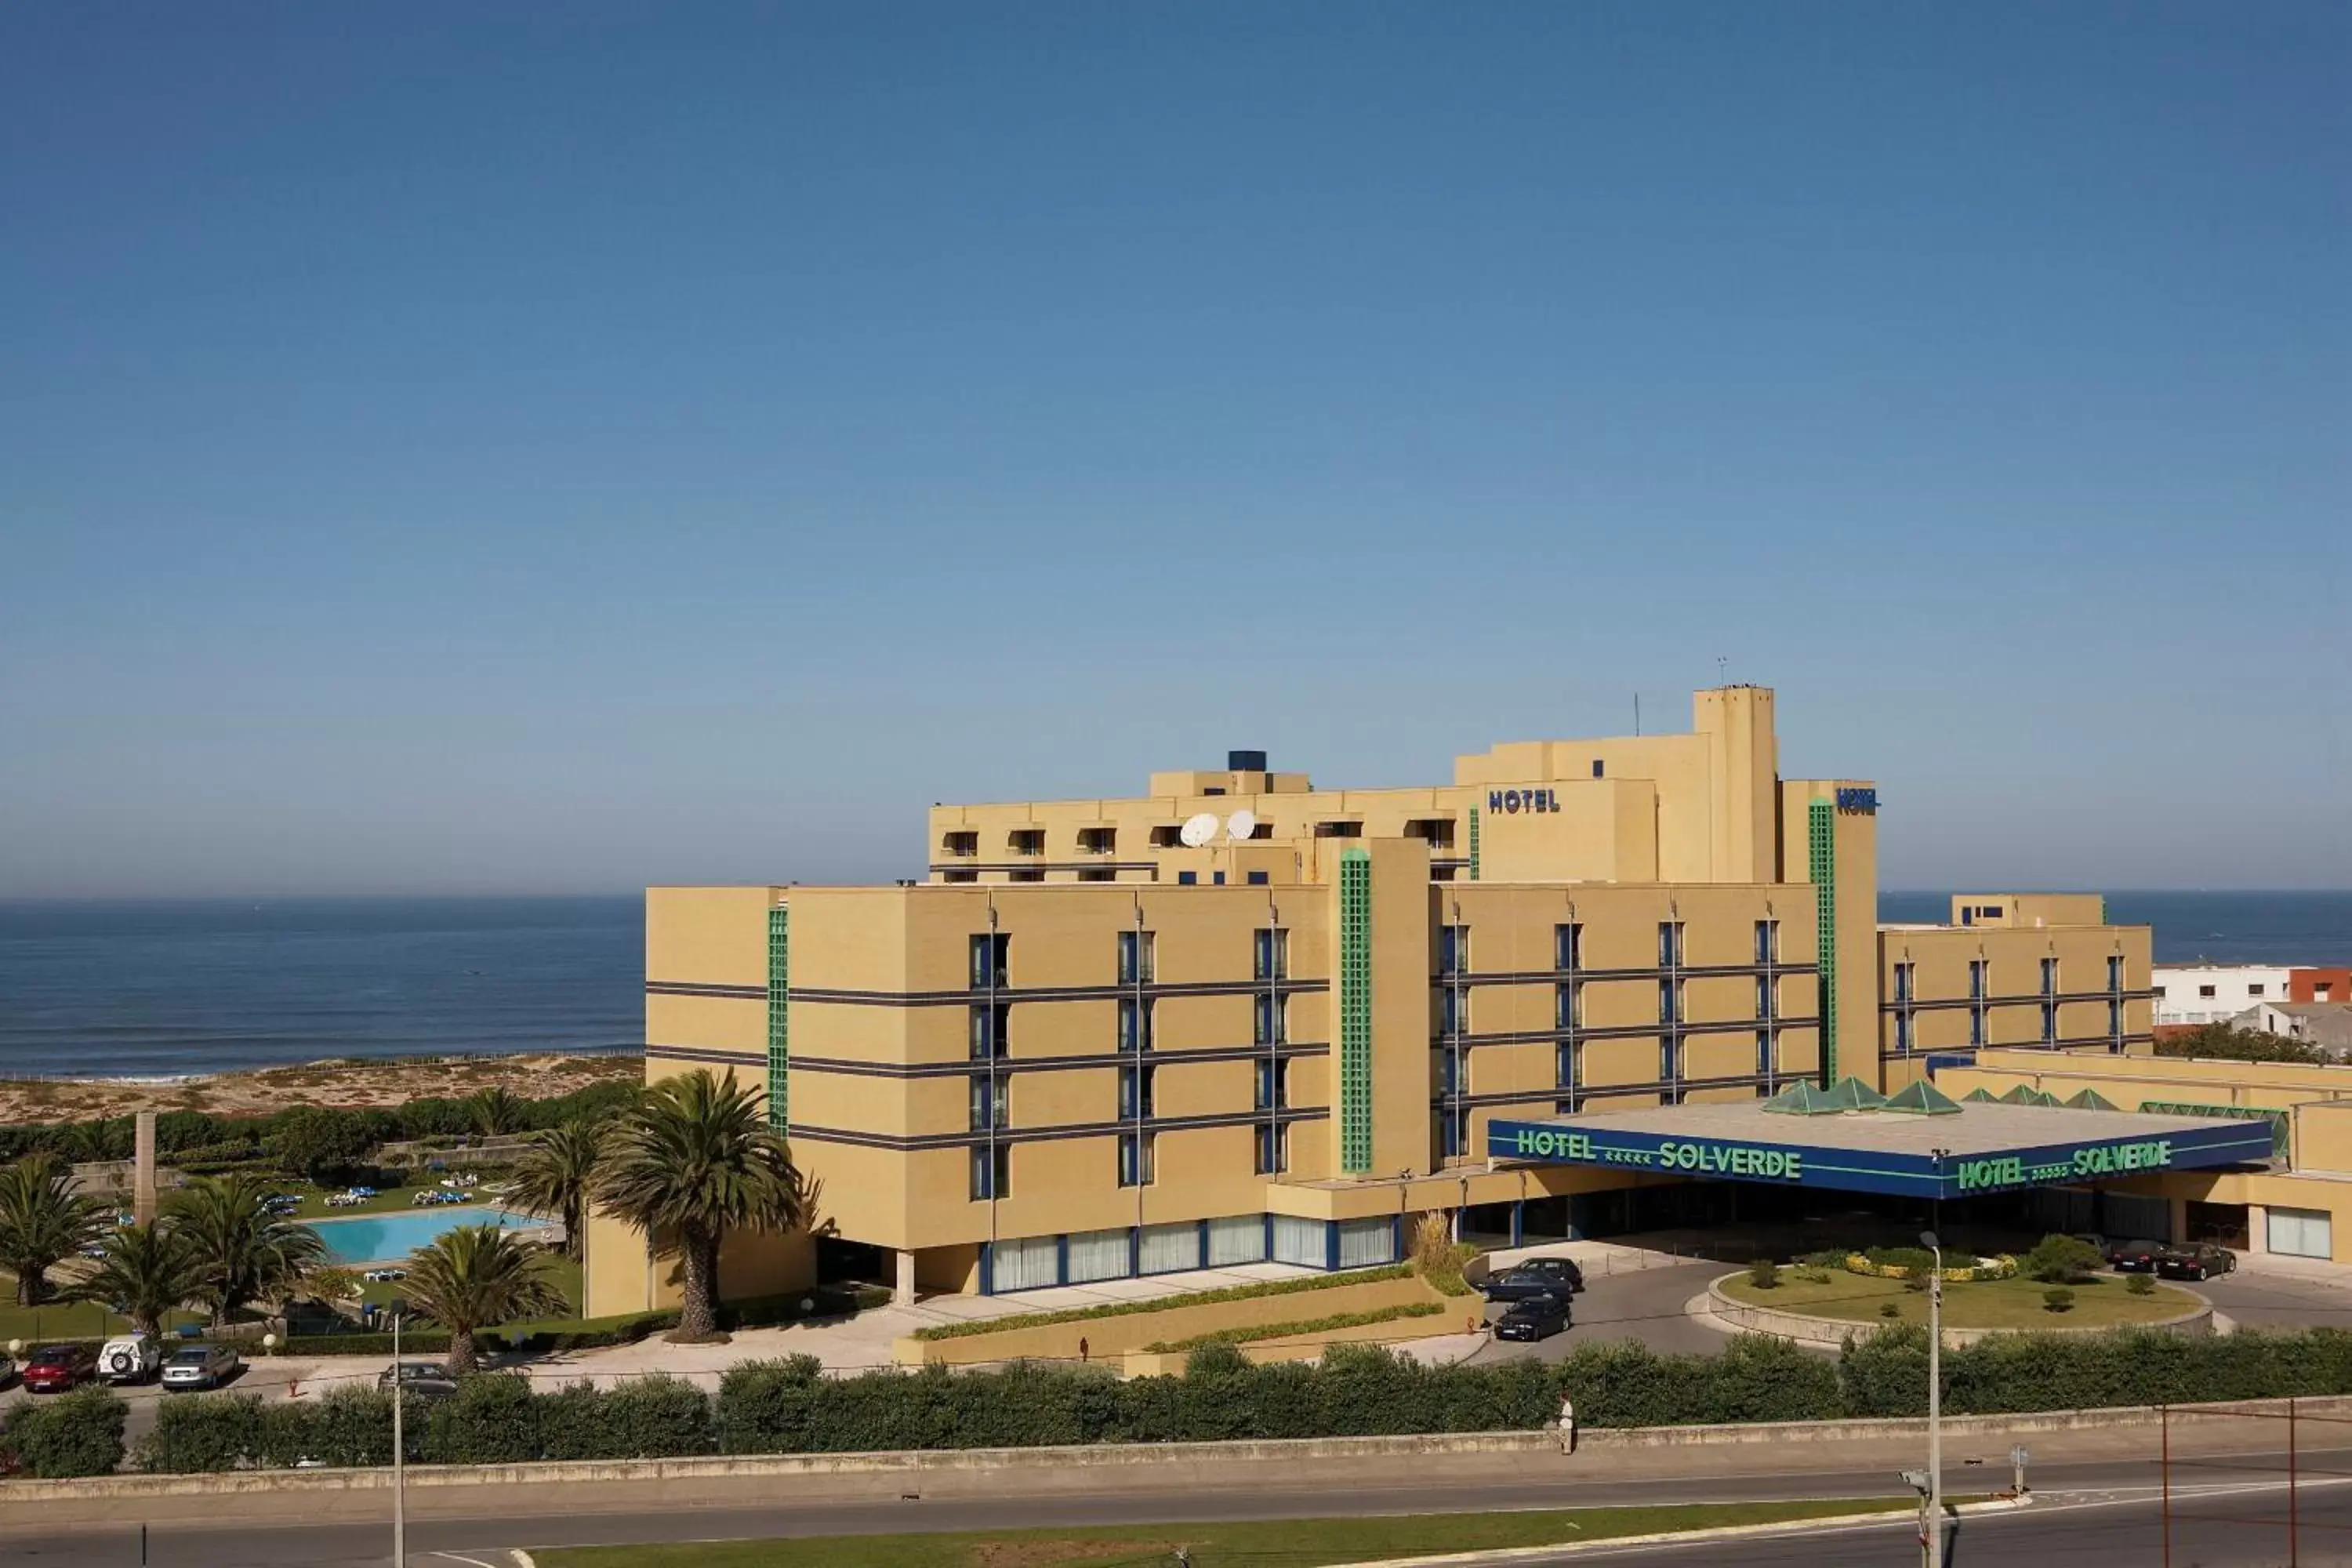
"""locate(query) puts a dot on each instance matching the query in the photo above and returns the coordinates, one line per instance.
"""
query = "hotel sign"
(1821, 1164)
(1508, 800)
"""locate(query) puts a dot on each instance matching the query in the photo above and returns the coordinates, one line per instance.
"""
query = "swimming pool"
(387, 1237)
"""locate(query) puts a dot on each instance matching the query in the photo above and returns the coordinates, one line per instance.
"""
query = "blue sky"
(448, 448)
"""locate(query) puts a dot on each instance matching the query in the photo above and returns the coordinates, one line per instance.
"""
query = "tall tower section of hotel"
(1238, 1017)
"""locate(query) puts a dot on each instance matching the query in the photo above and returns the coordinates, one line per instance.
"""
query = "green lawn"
(565, 1273)
(397, 1199)
(1281, 1543)
(67, 1321)
(2100, 1302)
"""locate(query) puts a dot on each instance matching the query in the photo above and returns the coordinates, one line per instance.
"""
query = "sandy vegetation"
(336, 1081)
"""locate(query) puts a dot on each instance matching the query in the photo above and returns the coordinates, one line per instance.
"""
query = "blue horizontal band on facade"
(1788, 1164)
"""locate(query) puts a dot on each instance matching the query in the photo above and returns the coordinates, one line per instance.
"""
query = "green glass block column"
(1821, 828)
(1355, 1012)
(780, 1015)
(1473, 843)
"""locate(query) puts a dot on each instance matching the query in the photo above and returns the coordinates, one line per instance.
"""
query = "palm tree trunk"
(461, 1352)
(697, 1317)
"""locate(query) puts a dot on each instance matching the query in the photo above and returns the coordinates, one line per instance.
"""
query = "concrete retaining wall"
(1114, 1336)
(1831, 1331)
(913, 1465)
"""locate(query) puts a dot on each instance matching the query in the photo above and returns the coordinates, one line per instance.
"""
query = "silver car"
(201, 1366)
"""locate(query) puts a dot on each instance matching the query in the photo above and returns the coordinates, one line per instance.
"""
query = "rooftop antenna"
(1637, 713)
(1722, 670)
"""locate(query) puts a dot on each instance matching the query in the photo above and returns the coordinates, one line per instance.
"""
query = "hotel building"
(1240, 1018)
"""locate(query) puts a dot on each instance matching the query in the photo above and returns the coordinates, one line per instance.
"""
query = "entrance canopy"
(1952, 1150)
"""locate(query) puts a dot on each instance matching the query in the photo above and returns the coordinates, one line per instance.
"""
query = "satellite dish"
(1198, 830)
(1241, 825)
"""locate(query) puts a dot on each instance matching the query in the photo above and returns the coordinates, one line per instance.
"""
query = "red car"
(54, 1369)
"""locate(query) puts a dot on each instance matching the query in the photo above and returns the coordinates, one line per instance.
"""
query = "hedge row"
(790, 1406)
(1161, 1303)
(1253, 1333)
(550, 1335)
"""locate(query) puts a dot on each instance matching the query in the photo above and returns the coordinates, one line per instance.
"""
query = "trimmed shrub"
(2058, 1299)
(2061, 1261)
(70, 1435)
(2139, 1285)
(1764, 1273)
(769, 1406)
(657, 1418)
(204, 1432)
(491, 1420)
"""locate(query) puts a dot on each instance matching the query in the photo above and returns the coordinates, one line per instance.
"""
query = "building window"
(1670, 1059)
(1670, 1001)
(1453, 1010)
(1167, 838)
(962, 842)
(1453, 950)
(1338, 830)
(1976, 1026)
(1449, 1071)
(2201, 990)
(2115, 1024)
(988, 1106)
(2115, 973)
(1097, 840)
(1274, 1086)
(1453, 1132)
(1273, 1150)
(2049, 977)
(1137, 1158)
(1768, 942)
(1257, 879)
(1568, 1005)
(1670, 944)
(1902, 982)
(991, 1172)
(1136, 1098)
(1569, 1065)
(1135, 957)
(989, 1027)
(1272, 1020)
(2050, 1023)
(1979, 974)
(2254, 988)
(1902, 1034)
(989, 955)
(1567, 946)
(1764, 986)
(1025, 876)
(1764, 1053)
(1134, 1023)
(1028, 841)
(1272, 953)
(1596, 767)
(1188, 878)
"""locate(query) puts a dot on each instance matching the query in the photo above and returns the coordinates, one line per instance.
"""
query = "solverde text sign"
(1818, 1163)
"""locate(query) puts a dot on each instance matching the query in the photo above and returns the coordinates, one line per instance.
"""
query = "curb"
(1503, 1557)
(1799, 1328)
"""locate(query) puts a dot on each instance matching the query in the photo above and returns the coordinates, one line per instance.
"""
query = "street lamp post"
(1934, 1532)
(399, 1470)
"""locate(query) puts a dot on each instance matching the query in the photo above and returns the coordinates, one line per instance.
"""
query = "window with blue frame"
(1272, 1086)
(1135, 1092)
(2049, 977)
(1137, 1158)
(988, 1102)
(989, 956)
(2115, 973)
(2048, 1023)
(1188, 878)
(1902, 982)
(1567, 947)
(1453, 950)
(1449, 1071)
(1453, 1010)
(989, 1027)
(991, 1172)
(1272, 953)
(1566, 1064)
(1670, 944)
(1568, 1005)
(1273, 1150)
(1670, 1001)
(1768, 942)
(1764, 1000)
(1271, 1019)
(1135, 957)
(1903, 1033)
(1979, 975)
(1670, 1059)
(1134, 1023)
(1764, 1067)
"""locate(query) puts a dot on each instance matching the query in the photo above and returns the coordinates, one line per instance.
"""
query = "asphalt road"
(2059, 1533)
(1643, 1304)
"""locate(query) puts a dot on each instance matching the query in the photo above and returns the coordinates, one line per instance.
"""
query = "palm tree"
(243, 1252)
(499, 1110)
(692, 1160)
(554, 1175)
(147, 1272)
(477, 1275)
(42, 1221)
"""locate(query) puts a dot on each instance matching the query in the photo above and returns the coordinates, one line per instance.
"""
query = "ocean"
(186, 987)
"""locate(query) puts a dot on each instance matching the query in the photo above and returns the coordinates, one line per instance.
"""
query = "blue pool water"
(375, 1238)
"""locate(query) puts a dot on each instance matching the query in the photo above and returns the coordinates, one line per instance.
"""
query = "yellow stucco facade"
(1086, 1046)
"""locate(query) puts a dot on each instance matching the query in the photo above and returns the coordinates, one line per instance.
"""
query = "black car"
(1536, 1318)
(1537, 1277)
(424, 1379)
(2137, 1256)
(2195, 1262)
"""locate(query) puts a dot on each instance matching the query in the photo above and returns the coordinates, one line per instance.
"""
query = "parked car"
(2195, 1262)
(130, 1358)
(7, 1369)
(1535, 1318)
(1537, 1277)
(2135, 1256)
(201, 1366)
(2092, 1239)
(54, 1369)
(424, 1379)
(383, 1275)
